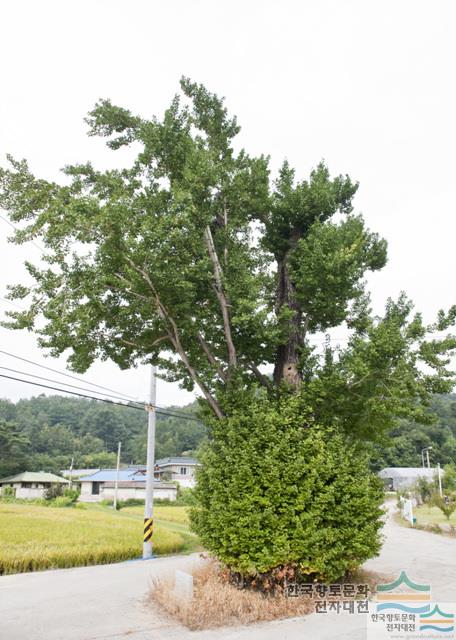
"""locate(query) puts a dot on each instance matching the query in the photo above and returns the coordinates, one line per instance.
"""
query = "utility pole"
(426, 449)
(440, 480)
(117, 476)
(71, 472)
(149, 503)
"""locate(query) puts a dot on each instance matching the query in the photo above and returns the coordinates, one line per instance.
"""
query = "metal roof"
(178, 460)
(34, 476)
(78, 472)
(109, 475)
(407, 472)
(137, 473)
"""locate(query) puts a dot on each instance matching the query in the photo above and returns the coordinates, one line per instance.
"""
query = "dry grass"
(218, 603)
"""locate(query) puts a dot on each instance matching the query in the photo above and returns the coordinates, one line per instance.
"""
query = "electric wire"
(16, 229)
(173, 412)
(159, 410)
(66, 384)
(67, 375)
(12, 303)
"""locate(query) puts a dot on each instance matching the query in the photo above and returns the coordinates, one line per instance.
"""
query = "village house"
(180, 469)
(131, 485)
(31, 484)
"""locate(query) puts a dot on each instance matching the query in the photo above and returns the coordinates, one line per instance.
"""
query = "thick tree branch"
(173, 334)
(211, 357)
(224, 306)
(264, 380)
(225, 222)
(129, 343)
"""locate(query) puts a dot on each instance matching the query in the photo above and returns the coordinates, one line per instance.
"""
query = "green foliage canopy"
(193, 258)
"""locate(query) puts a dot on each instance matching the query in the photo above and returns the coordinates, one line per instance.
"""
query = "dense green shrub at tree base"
(276, 489)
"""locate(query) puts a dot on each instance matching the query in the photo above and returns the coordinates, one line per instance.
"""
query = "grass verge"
(431, 527)
(426, 514)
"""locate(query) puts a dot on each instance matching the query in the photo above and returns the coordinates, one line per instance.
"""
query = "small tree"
(447, 508)
(423, 488)
(449, 477)
(54, 491)
(7, 493)
(13, 448)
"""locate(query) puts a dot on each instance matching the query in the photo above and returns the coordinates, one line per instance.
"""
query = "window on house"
(95, 488)
(183, 471)
(26, 485)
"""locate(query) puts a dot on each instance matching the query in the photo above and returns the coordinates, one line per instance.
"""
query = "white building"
(132, 485)
(398, 478)
(32, 484)
(180, 469)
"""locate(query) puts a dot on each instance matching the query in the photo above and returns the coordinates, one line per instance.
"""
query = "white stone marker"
(183, 585)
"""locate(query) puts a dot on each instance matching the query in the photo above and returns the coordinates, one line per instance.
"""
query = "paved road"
(109, 602)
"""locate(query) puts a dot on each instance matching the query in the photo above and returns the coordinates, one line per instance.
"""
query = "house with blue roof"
(131, 484)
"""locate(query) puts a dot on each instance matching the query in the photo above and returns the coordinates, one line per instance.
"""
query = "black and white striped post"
(149, 503)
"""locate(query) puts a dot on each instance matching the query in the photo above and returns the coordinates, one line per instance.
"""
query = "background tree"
(13, 445)
(55, 429)
(35, 419)
(192, 258)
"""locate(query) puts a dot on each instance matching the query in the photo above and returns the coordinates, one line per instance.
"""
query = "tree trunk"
(286, 364)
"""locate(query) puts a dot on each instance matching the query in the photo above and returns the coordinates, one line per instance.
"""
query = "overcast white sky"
(367, 85)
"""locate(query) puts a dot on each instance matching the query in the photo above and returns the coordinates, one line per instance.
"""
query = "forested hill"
(44, 432)
(407, 441)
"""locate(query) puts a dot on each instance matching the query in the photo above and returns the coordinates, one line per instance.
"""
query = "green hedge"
(277, 490)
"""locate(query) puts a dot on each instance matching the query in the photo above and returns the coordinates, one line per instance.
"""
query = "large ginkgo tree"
(194, 258)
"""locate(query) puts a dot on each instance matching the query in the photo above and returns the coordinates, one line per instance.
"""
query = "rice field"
(33, 537)
(163, 514)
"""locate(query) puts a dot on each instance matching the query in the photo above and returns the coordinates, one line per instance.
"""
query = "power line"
(159, 410)
(12, 303)
(66, 384)
(73, 393)
(172, 413)
(16, 229)
(68, 375)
